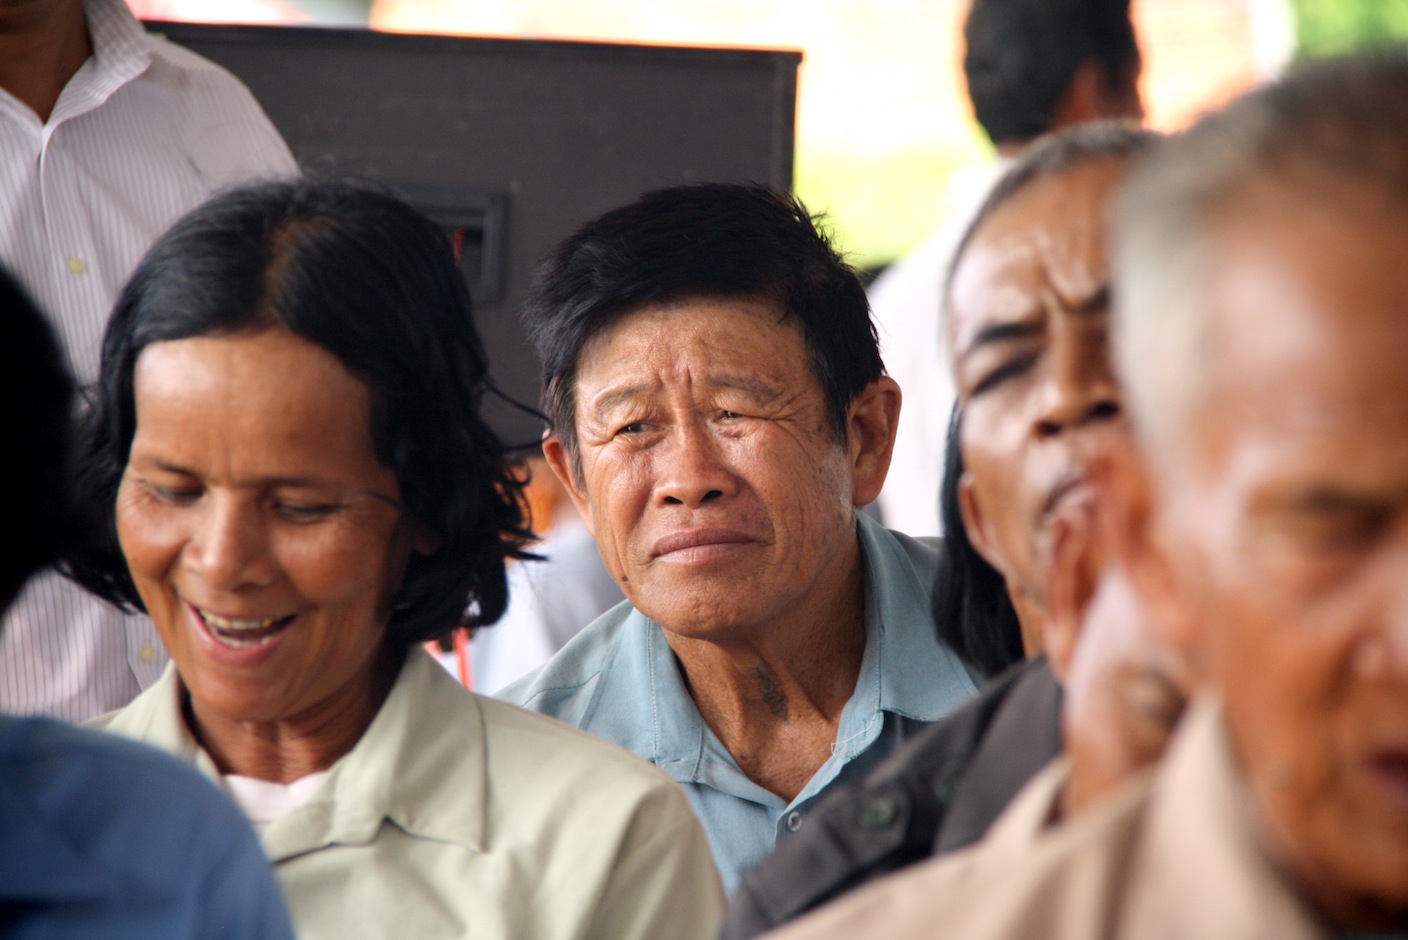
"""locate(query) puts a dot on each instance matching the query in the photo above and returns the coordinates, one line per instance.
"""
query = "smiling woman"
(287, 445)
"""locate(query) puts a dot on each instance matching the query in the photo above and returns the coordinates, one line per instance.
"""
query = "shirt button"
(877, 813)
(793, 821)
(148, 653)
(77, 265)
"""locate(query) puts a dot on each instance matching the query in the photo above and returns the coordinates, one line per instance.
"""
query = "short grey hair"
(1049, 156)
(1327, 127)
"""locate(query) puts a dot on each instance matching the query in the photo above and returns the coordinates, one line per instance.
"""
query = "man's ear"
(1139, 539)
(560, 460)
(871, 421)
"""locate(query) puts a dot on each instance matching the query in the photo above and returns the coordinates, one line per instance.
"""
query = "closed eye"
(301, 513)
(173, 495)
(1005, 372)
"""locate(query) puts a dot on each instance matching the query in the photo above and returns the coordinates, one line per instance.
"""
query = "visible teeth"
(224, 624)
(243, 643)
(240, 633)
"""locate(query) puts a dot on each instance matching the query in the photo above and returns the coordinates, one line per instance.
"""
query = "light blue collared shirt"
(620, 680)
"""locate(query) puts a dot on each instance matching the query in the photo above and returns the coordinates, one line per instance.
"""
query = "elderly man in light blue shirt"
(720, 411)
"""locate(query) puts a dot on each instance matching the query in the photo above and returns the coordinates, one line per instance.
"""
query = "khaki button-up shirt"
(457, 815)
(1172, 856)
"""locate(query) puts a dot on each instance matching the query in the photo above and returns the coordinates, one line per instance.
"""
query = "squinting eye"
(635, 427)
(1002, 373)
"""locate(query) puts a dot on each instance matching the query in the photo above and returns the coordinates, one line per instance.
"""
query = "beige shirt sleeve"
(664, 883)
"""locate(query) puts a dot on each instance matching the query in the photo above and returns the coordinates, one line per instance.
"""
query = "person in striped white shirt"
(107, 135)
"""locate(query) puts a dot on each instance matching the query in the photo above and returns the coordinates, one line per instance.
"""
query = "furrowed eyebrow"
(1097, 304)
(1003, 333)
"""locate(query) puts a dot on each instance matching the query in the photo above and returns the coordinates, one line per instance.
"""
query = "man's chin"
(706, 619)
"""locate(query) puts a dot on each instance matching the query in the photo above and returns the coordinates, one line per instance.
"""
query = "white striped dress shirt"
(142, 133)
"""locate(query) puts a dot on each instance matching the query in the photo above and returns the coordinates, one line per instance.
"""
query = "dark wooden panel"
(556, 132)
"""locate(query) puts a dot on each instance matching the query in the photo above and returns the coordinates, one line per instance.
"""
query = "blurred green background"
(1327, 27)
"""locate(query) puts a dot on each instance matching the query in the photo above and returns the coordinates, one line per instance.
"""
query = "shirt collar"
(905, 669)
(915, 674)
(420, 764)
(155, 717)
(121, 52)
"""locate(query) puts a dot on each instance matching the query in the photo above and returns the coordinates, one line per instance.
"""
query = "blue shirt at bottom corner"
(619, 679)
(103, 837)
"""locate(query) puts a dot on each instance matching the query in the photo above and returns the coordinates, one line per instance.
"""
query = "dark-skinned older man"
(1261, 319)
(720, 412)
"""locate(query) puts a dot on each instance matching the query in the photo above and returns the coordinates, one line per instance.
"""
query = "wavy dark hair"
(374, 282)
(972, 610)
(706, 240)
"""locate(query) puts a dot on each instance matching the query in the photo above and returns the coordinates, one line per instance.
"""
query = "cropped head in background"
(1034, 66)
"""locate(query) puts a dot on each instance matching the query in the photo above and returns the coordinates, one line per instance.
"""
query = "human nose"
(693, 471)
(1080, 388)
(229, 547)
(1382, 652)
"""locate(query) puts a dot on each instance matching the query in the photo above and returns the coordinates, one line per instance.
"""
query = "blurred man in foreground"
(1262, 317)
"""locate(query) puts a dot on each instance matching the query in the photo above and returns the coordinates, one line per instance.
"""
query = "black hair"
(41, 520)
(710, 240)
(1021, 56)
(374, 282)
(972, 610)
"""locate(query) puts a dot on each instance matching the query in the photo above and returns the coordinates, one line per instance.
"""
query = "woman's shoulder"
(513, 734)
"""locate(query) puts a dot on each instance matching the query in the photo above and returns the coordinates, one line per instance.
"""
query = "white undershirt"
(264, 802)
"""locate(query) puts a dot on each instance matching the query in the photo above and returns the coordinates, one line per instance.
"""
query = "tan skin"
(1029, 333)
(253, 503)
(724, 504)
(1125, 690)
(43, 43)
(1041, 418)
(1277, 532)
